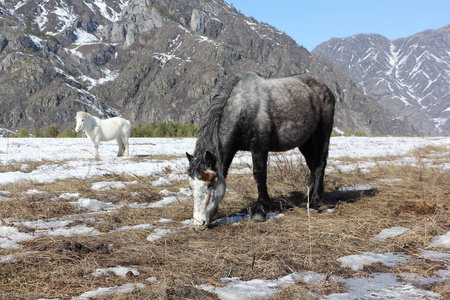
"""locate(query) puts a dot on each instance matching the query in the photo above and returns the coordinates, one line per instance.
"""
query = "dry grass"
(24, 167)
(61, 267)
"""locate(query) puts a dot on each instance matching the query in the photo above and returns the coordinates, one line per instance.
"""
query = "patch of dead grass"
(25, 167)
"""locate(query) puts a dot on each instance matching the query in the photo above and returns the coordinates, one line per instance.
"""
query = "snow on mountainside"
(150, 61)
(409, 76)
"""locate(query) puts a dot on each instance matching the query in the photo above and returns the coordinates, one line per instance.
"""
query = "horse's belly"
(109, 137)
(285, 145)
(289, 137)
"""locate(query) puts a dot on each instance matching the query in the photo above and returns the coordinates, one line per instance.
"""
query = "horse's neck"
(208, 140)
(91, 125)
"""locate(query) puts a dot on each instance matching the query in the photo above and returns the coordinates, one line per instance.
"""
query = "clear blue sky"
(312, 22)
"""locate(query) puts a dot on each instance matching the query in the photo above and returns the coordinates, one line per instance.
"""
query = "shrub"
(23, 133)
(69, 133)
(38, 133)
(358, 133)
(52, 131)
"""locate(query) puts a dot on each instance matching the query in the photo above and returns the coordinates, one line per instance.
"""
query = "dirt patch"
(421, 208)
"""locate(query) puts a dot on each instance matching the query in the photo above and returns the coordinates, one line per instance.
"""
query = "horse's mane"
(208, 133)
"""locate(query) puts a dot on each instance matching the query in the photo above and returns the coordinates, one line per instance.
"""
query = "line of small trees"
(164, 129)
(51, 132)
(154, 129)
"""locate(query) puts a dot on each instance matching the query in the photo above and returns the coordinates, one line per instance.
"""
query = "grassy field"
(176, 263)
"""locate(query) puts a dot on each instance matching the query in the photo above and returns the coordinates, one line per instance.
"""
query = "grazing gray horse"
(259, 115)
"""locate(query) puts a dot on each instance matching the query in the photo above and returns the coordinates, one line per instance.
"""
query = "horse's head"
(81, 118)
(208, 187)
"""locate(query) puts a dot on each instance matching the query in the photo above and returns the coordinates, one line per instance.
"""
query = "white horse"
(105, 130)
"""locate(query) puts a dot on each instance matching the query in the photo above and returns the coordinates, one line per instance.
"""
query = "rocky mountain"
(408, 76)
(150, 60)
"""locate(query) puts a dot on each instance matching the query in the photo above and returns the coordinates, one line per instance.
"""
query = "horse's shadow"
(330, 199)
(283, 203)
(142, 155)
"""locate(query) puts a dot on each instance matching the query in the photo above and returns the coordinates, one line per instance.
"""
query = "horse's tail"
(128, 127)
(208, 133)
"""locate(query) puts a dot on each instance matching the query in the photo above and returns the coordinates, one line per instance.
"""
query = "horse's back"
(285, 112)
(112, 128)
(293, 92)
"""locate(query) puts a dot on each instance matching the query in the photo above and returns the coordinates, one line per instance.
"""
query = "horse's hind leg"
(260, 173)
(319, 173)
(121, 146)
(321, 144)
(308, 151)
(126, 145)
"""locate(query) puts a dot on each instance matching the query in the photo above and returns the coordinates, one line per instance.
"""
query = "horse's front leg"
(95, 139)
(260, 173)
(96, 145)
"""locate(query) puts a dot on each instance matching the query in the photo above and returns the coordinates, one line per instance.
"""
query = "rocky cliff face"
(408, 76)
(150, 61)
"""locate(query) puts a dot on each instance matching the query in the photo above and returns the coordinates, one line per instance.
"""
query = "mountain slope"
(150, 61)
(408, 76)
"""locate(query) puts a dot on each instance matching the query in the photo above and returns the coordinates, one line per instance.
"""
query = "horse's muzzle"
(200, 227)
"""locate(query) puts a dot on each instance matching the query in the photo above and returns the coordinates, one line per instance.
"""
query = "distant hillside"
(410, 76)
(150, 61)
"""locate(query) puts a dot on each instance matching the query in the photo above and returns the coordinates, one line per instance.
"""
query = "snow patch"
(66, 16)
(66, 196)
(92, 204)
(381, 286)
(121, 289)
(434, 255)
(118, 271)
(158, 233)
(140, 227)
(441, 241)
(15, 257)
(108, 75)
(358, 261)
(84, 37)
(235, 288)
(107, 185)
(389, 233)
(11, 236)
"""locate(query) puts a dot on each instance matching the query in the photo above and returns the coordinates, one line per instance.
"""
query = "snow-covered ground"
(73, 158)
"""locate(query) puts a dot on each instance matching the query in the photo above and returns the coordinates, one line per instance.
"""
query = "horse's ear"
(210, 160)
(189, 157)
